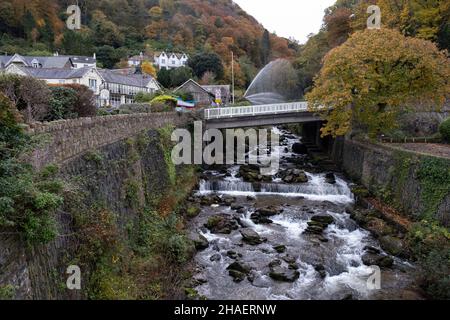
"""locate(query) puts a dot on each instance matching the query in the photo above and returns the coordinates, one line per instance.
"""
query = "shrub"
(28, 200)
(430, 244)
(444, 130)
(61, 105)
(84, 105)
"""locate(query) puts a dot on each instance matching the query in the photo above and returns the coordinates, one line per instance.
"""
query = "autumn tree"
(205, 62)
(375, 75)
(148, 68)
(35, 94)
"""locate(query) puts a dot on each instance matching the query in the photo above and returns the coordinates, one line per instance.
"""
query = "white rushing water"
(340, 255)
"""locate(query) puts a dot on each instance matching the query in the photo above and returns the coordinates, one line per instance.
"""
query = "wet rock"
(293, 176)
(280, 248)
(215, 257)
(237, 275)
(232, 254)
(236, 207)
(210, 199)
(318, 224)
(383, 261)
(239, 266)
(252, 173)
(392, 245)
(269, 211)
(299, 148)
(294, 266)
(371, 249)
(289, 259)
(250, 236)
(275, 263)
(324, 219)
(320, 270)
(221, 223)
(251, 198)
(200, 242)
(228, 200)
(284, 274)
(330, 178)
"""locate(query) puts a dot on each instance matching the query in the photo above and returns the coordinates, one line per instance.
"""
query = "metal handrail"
(231, 112)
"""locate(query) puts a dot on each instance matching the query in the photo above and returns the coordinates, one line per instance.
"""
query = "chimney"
(95, 56)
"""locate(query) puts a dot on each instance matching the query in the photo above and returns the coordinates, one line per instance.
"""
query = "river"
(292, 255)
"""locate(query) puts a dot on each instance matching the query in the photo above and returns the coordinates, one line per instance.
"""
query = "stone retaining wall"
(66, 139)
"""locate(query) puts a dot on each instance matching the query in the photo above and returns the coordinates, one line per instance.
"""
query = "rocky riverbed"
(289, 236)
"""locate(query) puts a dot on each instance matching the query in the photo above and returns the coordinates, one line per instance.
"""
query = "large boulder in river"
(372, 259)
(299, 148)
(250, 236)
(281, 273)
(330, 178)
(200, 242)
(269, 211)
(238, 271)
(393, 246)
(319, 223)
(222, 223)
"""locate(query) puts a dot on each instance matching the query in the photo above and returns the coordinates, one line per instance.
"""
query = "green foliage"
(430, 244)
(205, 62)
(61, 104)
(444, 129)
(166, 145)
(434, 177)
(28, 200)
(7, 292)
(160, 235)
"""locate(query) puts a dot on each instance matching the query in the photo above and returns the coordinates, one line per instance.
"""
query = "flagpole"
(232, 74)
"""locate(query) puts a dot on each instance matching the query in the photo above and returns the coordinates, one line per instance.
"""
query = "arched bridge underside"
(260, 115)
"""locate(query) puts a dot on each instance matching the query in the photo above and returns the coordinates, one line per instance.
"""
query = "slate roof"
(136, 80)
(55, 73)
(49, 62)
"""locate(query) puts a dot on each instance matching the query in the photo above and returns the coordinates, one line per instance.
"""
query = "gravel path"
(436, 149)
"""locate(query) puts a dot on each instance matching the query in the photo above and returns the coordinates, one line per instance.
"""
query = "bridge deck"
(246, 111)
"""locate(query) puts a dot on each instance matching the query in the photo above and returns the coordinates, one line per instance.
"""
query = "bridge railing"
(231, 112)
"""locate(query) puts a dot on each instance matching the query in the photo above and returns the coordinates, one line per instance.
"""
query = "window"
(163, 61)
(174, 62)
(92, 83)
(61, 81)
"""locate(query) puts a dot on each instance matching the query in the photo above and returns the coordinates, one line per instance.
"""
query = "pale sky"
(288, 18)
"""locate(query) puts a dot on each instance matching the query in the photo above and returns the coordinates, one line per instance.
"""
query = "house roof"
(136, 80)
(196, 84)
(47, 62)
(55, 73)
(169, 54)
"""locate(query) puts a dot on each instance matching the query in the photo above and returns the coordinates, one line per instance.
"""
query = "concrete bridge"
(259, 115)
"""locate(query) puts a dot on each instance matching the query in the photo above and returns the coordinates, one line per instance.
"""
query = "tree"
(84, 104)
(369, 79)
(148, 68)
(204, 62)
(35, 94)
(179, 76)
(164, 78)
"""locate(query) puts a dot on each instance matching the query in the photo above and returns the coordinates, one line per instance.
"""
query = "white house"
(170, 60)
(88, 76)
(135, 61)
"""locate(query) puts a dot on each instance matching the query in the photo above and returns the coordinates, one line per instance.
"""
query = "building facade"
(201, 96)
(170, 60)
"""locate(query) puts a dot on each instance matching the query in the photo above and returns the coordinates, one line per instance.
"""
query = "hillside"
(115, 29)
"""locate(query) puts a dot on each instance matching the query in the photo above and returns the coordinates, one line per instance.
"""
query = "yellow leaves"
(148, 68)
(376, 72)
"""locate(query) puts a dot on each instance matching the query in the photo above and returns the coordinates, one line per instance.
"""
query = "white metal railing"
(231, 112)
